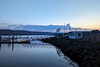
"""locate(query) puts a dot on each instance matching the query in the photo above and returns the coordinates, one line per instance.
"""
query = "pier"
(21, 39)
(21, 36)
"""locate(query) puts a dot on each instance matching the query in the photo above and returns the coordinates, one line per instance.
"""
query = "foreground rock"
(86, 54)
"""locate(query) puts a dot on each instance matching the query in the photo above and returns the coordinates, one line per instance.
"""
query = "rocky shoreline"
(86, 54)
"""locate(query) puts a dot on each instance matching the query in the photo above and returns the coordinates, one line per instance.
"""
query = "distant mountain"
(22, 32)
(48, 28)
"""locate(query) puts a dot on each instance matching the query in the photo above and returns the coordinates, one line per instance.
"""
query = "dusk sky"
(79, 13)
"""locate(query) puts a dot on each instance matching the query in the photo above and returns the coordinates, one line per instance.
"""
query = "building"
(66, 35)
(94, 36)
(58, 35)
(79, 35)
(86, 36)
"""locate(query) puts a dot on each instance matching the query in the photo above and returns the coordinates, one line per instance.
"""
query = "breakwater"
(86, 54)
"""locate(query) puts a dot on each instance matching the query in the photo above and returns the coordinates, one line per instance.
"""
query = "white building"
(75, 35)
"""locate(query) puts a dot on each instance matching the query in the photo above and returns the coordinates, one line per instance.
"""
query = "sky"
(79, 13)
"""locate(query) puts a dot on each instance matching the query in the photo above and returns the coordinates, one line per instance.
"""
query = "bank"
(85, 53)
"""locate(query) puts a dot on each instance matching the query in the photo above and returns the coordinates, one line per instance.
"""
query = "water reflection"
(38, 46)
(33, 55)
(12, 46)
(69, 61)
(0, 46)
(28, 46)
(9, 45)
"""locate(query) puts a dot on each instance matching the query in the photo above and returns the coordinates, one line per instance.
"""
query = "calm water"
(36, 54)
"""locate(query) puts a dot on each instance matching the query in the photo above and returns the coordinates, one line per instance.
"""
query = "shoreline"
(86, 54)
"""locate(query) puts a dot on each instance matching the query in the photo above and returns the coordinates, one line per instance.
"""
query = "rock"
(97, 52)
(88, 64)
(90, 57)
(92, 54)
(96, 65)
(85, 51)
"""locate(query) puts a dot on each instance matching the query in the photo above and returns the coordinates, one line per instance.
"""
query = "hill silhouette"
(22, 32)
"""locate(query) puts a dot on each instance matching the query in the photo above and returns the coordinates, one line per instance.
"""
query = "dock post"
(16, 38)
(20, 36)
(12, 46)
(27, 37)
(9, 38)
(0, 42)
(0, 39)
(12, 39)
(0, 46)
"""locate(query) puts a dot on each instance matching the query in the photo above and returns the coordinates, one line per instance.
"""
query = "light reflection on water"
(36, 54)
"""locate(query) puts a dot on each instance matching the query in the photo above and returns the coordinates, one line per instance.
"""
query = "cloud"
(4, 24)
(48, 28)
